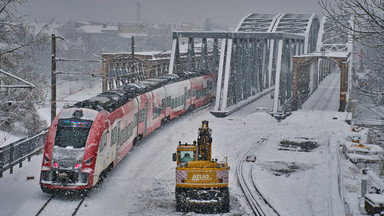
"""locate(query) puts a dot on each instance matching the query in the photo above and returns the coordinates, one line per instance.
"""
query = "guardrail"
(16, 152)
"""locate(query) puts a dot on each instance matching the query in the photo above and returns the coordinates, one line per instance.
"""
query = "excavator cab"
(185, 153)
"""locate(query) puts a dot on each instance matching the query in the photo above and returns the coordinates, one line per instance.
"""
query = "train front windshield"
(72, 133)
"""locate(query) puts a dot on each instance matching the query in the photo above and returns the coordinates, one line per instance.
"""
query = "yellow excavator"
(201, 181)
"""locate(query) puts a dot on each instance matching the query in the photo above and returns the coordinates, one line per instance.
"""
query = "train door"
(145, 118)
(118, 137)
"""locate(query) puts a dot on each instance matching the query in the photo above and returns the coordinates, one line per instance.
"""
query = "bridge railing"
(16, 152)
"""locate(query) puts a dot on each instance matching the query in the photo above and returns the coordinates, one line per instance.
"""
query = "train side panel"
(176, 98)
(200, 90)
(128, 129)
(155, 108)
(111, 135)
(91, 150)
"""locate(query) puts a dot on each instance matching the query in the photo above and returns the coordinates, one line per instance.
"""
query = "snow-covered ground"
(295, 181)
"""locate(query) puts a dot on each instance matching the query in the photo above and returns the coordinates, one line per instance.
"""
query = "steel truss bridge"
(286, 53)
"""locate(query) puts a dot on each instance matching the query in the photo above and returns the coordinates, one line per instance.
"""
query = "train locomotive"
(92, 136)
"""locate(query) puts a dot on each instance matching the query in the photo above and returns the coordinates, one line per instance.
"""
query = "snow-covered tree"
(362, 20)
(18, 42)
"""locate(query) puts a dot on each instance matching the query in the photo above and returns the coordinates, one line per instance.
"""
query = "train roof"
(111, 100)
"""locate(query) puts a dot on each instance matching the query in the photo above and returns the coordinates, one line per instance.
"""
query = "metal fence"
(16, 152)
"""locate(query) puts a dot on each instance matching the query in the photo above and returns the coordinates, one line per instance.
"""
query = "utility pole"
(133, 55)
(53, 79)
(133, 47)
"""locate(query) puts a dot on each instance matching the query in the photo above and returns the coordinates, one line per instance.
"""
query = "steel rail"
(50, 199)
(259, 208)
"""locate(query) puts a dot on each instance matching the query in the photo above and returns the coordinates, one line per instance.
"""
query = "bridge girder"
(329, 40)
(254, 59)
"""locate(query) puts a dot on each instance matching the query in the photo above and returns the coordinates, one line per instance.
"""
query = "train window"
(103, 141)
(126, 133)
(173, 103)
(182, 100)
(178, 101)
(141, 118)
(123, 135)
(114, 136)
(169, 101)
(162, 103)
(135, 120)
(130, 130)
(156, 112)
(72, 133)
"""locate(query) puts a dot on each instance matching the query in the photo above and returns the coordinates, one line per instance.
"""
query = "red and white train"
(91, 137)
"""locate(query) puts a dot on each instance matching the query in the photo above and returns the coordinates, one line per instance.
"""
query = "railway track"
(61, 206)
(259, 204)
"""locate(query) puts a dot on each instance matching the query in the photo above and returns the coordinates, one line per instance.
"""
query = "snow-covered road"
(296, 182)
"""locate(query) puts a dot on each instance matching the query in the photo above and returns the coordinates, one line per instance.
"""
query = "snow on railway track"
(335, 181)
(61, 206)
(259, 204)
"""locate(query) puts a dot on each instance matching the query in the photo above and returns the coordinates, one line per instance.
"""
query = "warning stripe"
(180, 175)
(223, 175)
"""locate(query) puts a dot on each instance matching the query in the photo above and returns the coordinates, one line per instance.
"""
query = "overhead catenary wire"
(82, 48)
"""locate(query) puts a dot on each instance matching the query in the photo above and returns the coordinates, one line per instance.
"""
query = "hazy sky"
(223, 12)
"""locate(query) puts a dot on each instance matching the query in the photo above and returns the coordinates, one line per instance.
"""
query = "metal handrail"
(16, 152)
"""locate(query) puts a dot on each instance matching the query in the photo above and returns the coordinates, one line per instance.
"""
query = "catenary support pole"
(53, 78)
